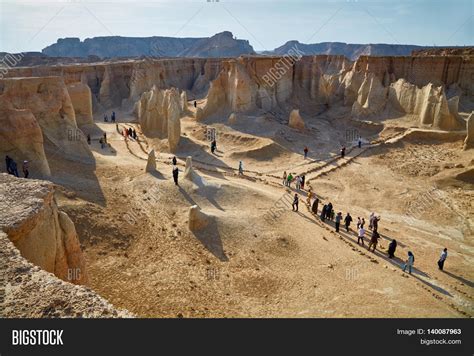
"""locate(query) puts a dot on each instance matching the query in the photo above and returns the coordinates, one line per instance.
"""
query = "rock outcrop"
(295, 121)
(43, 234)
(159, 112)
(151, 162)
(81, 99)
(469, 141)
(188, 169)
(197, 220)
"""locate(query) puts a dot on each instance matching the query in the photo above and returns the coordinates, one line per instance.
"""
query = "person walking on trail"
(88, 139)
(362, 223)
(376, 223)
(360, 236)
(305, 152)
(125, 132)
(314, 208)
(392, 246)
(323, 212)
(303, 179)
(338, 220)
(328, 210)
(347, 221)
(130, 132)
(374, 240)
(295, 203)
(175, 174)
(195, 103)
(442, 259)
(113, 116)
(289, 179)
(298, 182)
(309, 197)
(371, 220)
(174, 161)
(332, 214)
(101, 141)
(105, 138)
(135, 136)
(358, 223)
(106, 119)
(409, 262)
(8, 164)
(213, 146)
(14, 168)
(241, 168)
(284, 178)
(25, 169)
(359, 142)
(343, 151)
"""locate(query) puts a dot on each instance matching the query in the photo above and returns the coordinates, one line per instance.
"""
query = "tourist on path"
(391, 248)
(8, 164)
(362, 223)
(213, 146)
(343, 151)
(25, 168)
(314, 208)
(106, 118)
(289, 179)
(101, 141)
(359, 142)
(309, 197)
(113, 116)
(442, 258)
(347, 221)
(323, 212)
(241, 168)
(331, 214)
(298, 182)
(329, 210)
(284, 178)
(175, 174)
(409, 262)
(371, 220)
(358, 223)
(338, 220)
(376, 223)
(305, 152)
(360, 236)
(295, 202)
(195, 103)
(174, 161)
(89, 139)
(374, 240)
(135, 136)
(130, 132)
(13, 168)
(105, 138)
(303, 180)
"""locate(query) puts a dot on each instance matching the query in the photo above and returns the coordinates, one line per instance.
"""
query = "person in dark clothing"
(338, 220)
(130, 132)
(375, 223)
(303, 179)
(195, 103)
(89, 139)
(105, 138)
(295, 203)
(343, 151)
(174, 160)
(8, 163)
(26, 171)
(113, 116)
(347, 221)
(13, 168)
(213, 146)
(359, 142)
(362, 223)
(328, 211)
(314, 208)
(358, 223)
(305, 152)
(106, 118)
(442, 259)
(392, 246)
(374, 240)
(175, 174)
(323, 212)
(135, 136)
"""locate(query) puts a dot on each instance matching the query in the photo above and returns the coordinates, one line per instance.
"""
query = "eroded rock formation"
(151, 162)
(469, 141)
(81, 99)
(197, 219)
(295, 120)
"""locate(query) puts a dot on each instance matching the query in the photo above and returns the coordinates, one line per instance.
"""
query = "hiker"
(125, 133)
(289, 179)
(88, 139)
(338, 220)
(391, 248)
(175, 174)
(328, 210)
(409, 262)
(105, 138)
(295, 202)
(106, 119)
(13, 168)
(113, 116)
(213, 146)
(360, 236)
(195, 103)
(343, 151)
(331, 214)
(310, 195)
(101, 141)
(347, 221)
(376, 223)
(314, 208)
(358, 223)
(359, 142)
(323, 212)
(374, 240)
(8, 163)
(371, 220)
(284, 178)
(362, 223)
(135, 136)
(130, 132)
(442, 258)
(241, 168)
(174, 161)
(303, 179)
(305, 152)
(26, 172)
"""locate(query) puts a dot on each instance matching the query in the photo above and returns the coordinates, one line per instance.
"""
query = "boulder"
(151, 162)
(188, 169)
(469, 141)
(197, 219)
(295, 121)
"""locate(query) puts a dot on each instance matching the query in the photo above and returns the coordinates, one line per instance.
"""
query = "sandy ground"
(141, 255)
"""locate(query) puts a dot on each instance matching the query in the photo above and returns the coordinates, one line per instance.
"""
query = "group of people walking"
(130, 132)
(112, 117)
(290, 178)
(12, 167)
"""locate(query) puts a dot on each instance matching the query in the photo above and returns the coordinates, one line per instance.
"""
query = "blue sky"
(31, 25)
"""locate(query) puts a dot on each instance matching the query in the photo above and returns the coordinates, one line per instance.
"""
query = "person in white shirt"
(360, 236)
(442, 258)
